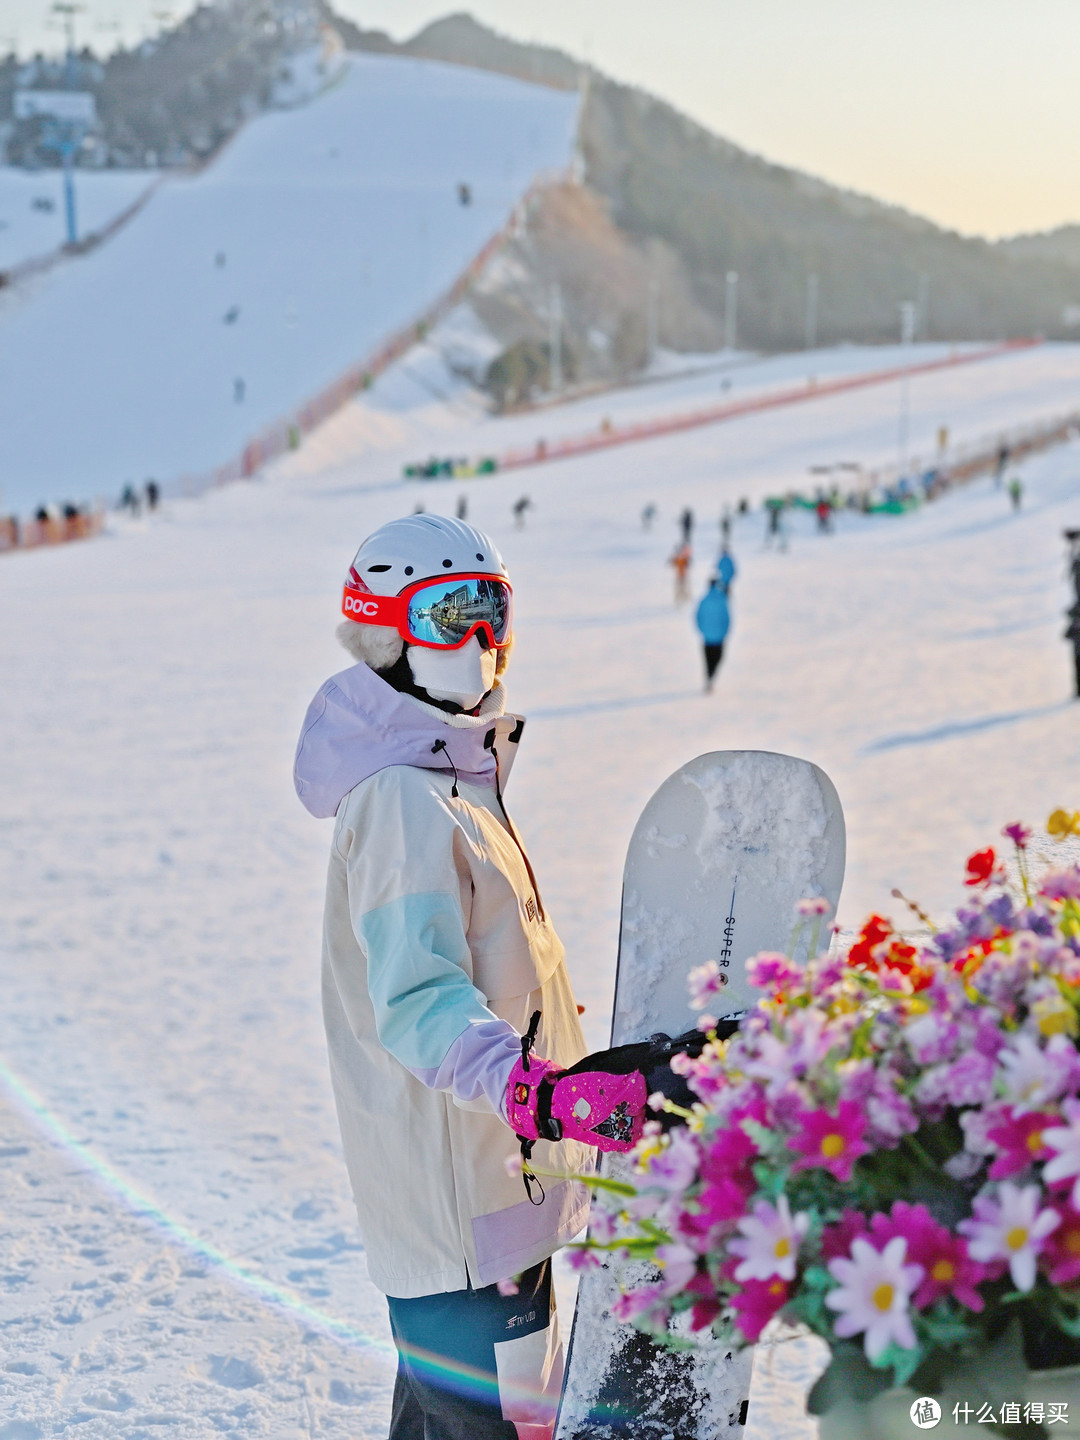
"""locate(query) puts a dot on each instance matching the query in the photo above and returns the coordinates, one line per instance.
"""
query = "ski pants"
(477, 1365)
(713, 655)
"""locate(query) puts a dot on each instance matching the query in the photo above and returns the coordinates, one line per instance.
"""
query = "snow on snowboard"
(721, 855)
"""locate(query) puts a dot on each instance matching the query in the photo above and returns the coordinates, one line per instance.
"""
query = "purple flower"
(1036, 920)
(772, 971)
(1061, 884)
(1002, 911)
(1018, 834)
(706, 982)
(932, 1038)
(967, 1081)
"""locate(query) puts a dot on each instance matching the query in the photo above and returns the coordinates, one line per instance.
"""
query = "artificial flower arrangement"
(886, 1152)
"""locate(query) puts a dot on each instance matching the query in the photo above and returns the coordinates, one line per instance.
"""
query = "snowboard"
(717, 863)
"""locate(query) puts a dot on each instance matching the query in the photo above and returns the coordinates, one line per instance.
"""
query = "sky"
(966, 111)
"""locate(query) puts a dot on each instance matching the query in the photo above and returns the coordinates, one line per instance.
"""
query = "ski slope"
(237, 293)
(33, 223)
(180, 1250)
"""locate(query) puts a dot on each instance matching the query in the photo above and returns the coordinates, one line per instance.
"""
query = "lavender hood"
(357, 724)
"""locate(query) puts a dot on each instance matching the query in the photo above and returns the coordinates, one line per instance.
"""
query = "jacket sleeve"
(406, 888)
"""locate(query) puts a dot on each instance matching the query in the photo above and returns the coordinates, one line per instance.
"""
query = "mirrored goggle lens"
(445, 612)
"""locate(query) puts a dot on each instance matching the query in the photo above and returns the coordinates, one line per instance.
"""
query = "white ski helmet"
(418, 547)
(396, 556)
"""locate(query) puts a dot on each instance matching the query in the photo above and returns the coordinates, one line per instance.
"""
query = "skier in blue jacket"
(713, 620)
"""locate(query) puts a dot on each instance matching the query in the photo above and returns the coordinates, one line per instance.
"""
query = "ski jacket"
(436, 951)
(713, 617)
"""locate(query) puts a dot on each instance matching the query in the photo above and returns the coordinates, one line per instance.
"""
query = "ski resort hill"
(181, 1252)
(236, 294)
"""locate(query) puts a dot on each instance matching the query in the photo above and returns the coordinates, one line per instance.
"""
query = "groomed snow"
(180, 1250)
(335, 223)
(29, 231)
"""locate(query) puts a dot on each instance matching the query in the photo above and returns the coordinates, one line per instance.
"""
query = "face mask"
(461, 676)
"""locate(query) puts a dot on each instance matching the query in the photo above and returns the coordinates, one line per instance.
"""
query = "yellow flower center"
(832, 1146)
(883, 1296)
(1057, 1022)
(943, 1271)
(783, 1247)
(1017, 1238)
(1071, 1241)
(1034, 1141)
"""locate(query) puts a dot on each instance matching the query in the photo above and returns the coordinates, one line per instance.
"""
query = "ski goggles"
(441, 614)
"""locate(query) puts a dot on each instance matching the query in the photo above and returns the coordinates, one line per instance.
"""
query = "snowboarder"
(680, 562)
(1016, 491)
(438, 953)
(713, 621)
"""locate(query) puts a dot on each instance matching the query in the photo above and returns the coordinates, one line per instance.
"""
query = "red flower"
(876, 930)
(980, 867)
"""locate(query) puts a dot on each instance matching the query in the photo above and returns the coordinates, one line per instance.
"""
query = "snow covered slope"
(32, 220)
(241, 291)
(180, 1248)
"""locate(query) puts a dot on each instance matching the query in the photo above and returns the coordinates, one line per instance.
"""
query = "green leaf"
(900, 1360)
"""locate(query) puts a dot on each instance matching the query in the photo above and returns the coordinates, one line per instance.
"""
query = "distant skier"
(713, 621)
(823, 510)
(1016, 492)
(462, 507)
(239, 390)
(725, 526)
(774, 512)
(686, 521)
(725, 569)
(1002, 464)
(153, 494)
(437, 954)
(680, 562)
(648, 515)
(464, 193)
(521, 505)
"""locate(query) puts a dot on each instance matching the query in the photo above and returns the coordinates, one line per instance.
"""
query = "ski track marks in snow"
(163, 887)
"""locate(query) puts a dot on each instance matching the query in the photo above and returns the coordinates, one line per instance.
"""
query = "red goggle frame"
(449, 621)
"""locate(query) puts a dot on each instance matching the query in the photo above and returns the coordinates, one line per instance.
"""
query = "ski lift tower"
(67, 116)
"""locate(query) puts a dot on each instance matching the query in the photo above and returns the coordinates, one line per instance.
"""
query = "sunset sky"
(966, 111)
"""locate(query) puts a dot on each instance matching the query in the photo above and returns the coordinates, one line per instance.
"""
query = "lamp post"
(1072, 630)
(731, 309)
(907, 334)
(811, 311)
(555, 338)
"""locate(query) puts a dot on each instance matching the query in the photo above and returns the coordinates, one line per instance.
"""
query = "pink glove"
(545, 1103)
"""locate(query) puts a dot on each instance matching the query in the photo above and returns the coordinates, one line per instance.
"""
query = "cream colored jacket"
(436, 951)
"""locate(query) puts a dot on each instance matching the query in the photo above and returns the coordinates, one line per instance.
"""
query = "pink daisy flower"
(756, 1304)
(1019, 1141)
(948, 1269)
(829, 1141)
(1060, 1257)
